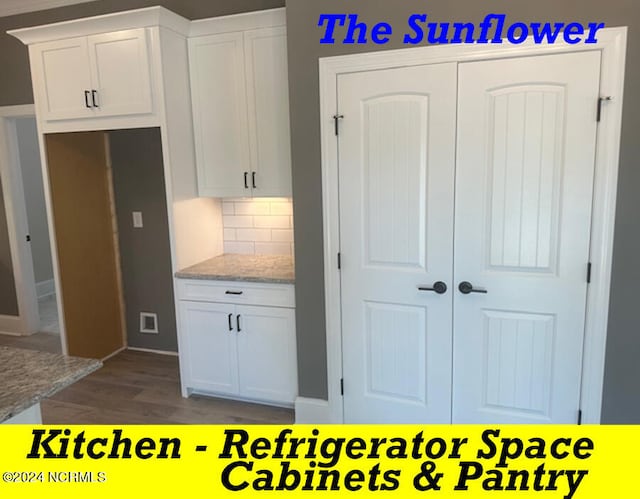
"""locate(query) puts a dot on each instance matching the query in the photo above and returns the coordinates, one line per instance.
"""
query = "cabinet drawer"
(246, 293)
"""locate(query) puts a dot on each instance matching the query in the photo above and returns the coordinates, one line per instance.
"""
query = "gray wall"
(145, 254)
(8, 300)
(621, 394)
(31, 168)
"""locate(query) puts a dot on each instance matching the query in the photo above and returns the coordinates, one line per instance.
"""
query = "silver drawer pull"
(233, 293)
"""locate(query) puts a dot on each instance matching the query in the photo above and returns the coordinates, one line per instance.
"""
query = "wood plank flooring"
(144, 388)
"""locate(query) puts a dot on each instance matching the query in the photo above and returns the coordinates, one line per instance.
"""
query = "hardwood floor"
(144, 388)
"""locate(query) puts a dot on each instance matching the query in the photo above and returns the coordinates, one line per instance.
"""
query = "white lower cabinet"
(211, 359)
(244, 351)
(266, 353)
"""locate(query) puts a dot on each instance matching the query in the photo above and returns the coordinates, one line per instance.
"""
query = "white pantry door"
(396, 162)
(525, 166)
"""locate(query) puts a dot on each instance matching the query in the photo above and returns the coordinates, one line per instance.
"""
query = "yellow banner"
(581, 462)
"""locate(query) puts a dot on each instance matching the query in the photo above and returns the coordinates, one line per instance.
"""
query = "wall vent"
(148, 323)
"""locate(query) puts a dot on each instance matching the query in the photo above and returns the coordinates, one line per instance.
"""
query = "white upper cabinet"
(99, 75)
(111, 72)
(240, 101)
(220, 114)
(268, 107)
(64, 77)
(119, 65)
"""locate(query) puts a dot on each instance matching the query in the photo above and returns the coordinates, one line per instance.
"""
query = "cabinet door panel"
(267, 353)
(220, 114)
(211, 356)
(524, 183)
(397, 163)
(62, 76)
(120, 72)
(268, 105)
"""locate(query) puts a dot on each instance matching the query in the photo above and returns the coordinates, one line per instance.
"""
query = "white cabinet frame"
(612, 45)
(246, 304)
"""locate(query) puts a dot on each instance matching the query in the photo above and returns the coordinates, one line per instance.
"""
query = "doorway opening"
(106, 267)
(28, 281)
(38, 228)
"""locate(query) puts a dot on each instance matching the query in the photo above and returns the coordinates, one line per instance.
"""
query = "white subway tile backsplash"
(273, 248)
(272, 222)
(235, 221)
(252, 208)
(281, 209)
(262, 226)
(228, 208)
(263, 235)
(282, 235)
(241, 248)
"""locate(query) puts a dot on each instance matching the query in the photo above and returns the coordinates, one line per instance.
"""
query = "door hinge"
(28, 238)
(601, 100)
(589, 266)
(579, 417)
(336, 119)
(339, 261)
(341, 386)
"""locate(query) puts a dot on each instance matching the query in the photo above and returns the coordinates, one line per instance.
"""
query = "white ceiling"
(11, 7)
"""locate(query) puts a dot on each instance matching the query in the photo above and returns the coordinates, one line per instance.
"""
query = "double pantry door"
(465, 215)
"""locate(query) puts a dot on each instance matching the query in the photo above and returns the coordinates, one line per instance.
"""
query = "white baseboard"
(312, 411)
(150, 350)
(45, 288)
(10, 324)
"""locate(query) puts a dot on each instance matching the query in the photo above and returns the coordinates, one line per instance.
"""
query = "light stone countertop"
(249, 268)
(28, 376)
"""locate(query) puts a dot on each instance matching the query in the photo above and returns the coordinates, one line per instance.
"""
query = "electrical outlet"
(137, 220)
(148, 323)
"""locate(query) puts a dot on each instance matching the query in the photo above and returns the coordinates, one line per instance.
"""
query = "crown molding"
(13, 7)
(239, 22)
(117, 21)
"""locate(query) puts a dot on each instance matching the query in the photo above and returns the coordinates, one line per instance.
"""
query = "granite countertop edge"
(13, 410)
(234, 278)
(271, 269)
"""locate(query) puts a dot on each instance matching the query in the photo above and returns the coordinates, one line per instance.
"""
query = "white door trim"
(28, 320)
(612, 44)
